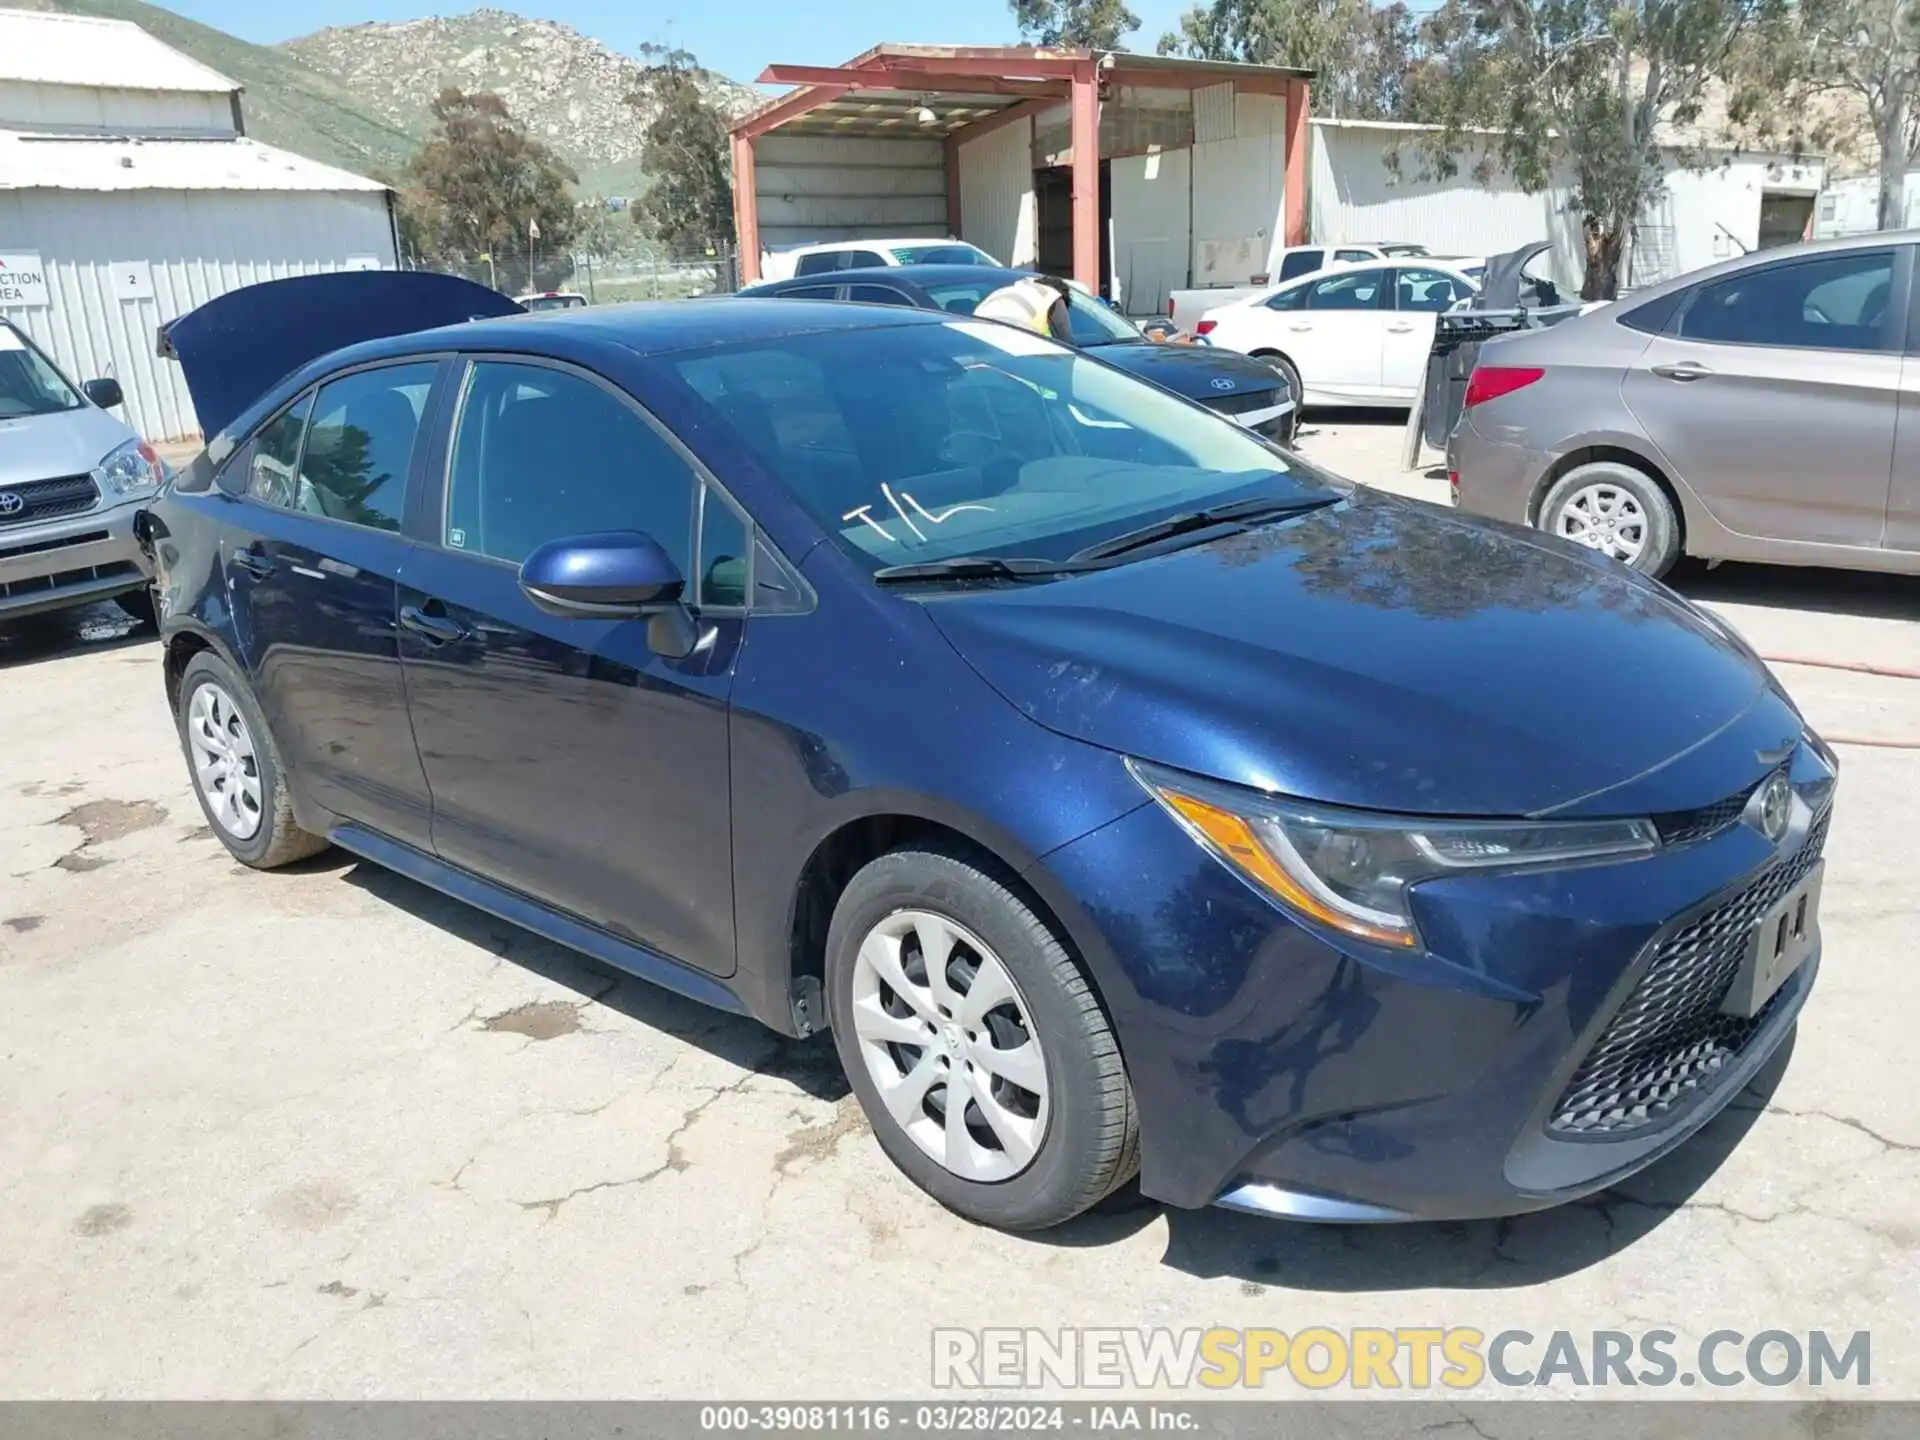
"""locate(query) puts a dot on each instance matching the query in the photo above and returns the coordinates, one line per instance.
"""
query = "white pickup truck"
(1185, 307)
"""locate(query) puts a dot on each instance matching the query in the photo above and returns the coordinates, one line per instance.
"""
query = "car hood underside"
(1389, 656)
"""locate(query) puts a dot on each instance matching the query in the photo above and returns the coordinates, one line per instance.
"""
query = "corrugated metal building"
(1743, 201)
(129, 194)
(1194, 174)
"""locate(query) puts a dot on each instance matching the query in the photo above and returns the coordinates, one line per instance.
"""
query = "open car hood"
(237, 346)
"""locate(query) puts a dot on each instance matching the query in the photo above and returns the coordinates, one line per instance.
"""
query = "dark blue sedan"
(1121, 791)
(1250, 391)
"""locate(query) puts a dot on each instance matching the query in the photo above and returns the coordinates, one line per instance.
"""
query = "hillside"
(565, 87)
(287, 102)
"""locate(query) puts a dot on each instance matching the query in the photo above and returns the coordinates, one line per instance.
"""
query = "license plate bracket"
(1777, 945)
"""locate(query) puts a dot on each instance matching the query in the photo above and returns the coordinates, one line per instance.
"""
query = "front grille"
(1669, 1038)
(1244, 401)
(1683, 827)
(49, 499)
(40, 547)
(66, 580)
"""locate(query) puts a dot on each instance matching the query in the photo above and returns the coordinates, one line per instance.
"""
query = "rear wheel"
(236, 768)
(1617, 509)
(977, 1049)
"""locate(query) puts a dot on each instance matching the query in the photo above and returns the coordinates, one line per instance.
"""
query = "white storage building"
(1744, 200)
(130, 193)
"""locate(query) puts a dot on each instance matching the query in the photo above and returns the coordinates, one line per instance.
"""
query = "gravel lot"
(323, 1133)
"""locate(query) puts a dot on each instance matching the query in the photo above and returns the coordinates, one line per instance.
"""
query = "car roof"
(919, 275)
(880, 241)
(1385, 262)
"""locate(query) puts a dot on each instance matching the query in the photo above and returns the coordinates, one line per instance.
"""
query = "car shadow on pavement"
(1458, 1255)
(61, 633)
(810, 1065)
(1800, 587)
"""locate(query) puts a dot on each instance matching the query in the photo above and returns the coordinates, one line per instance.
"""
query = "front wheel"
(1616, 509)
(1291, 375)
(975, 1045)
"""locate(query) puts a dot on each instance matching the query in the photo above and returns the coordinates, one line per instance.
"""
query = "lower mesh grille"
(1669, 1038)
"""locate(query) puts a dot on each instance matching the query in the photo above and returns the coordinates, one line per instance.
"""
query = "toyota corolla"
(1122, 793)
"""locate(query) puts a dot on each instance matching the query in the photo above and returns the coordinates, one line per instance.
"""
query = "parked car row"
(1122, 792)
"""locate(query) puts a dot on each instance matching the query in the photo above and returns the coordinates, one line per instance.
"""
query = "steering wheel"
(962, 448)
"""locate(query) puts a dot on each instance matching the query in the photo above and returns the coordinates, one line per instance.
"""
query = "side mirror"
(104, 393)
(619, 574)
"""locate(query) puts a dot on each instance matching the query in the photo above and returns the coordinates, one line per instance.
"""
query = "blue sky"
(735, 38)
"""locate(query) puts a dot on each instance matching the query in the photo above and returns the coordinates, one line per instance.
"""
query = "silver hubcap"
(1607, 518)
(950, 1045)
(225, 765)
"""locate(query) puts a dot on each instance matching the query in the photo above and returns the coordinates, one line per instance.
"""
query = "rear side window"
(1294, 299)
(276, 450)
(1836, 302)
(544, 454)
(1427, 291)
(812, 292)
(1350, 290)
(1301, 262)
(878, 295)
(359, 446)
(818, 263)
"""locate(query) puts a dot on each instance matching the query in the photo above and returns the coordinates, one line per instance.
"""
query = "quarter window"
(544, 454)
(359, 446)
(270, 471)
(1837, 302)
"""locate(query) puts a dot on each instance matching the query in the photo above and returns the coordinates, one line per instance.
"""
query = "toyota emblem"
(1773, 808)
(1223, 384)
(10, 503)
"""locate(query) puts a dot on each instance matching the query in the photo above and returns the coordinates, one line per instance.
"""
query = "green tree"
(1365, 56)
(1868, 50)
(689, 206)
(1096, 24)
(480, 184)
(1587, 86)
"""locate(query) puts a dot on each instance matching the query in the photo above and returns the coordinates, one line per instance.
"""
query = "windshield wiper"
(1264, 507)
(967, 567)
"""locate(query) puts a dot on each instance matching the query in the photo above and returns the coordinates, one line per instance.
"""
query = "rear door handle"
(1301, 325)
(1401, 329)
(1685, 370)
(435, 629)
(254, 562)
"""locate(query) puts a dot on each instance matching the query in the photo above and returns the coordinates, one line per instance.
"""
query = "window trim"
(434, 533)
(1898, 319)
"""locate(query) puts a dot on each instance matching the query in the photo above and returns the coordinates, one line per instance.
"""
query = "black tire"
(1661, 546)
(278, 840)
(137, 603)
(1292, 377)
(1090, 1145)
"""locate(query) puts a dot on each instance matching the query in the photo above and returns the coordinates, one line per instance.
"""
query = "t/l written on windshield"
(901, 504)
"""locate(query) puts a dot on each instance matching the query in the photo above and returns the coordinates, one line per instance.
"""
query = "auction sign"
(23, 280)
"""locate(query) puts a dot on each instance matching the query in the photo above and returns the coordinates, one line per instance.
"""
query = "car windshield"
(28, 384)
(947, 252)
(1089, 322)
(922, 442)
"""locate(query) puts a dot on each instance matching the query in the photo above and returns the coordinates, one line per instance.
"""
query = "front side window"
(29, 385)
(1836, 302)
(1350, 290)
(920, 442)
(1090, 323)
(359, 446)
(1300, 262)
(542, 454)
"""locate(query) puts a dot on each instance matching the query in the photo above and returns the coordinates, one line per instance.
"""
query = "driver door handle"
(256, 563)
(434, 629)
(1684, 370)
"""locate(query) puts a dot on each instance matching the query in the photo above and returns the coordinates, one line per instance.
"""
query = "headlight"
(1353, 870)
(131, 469)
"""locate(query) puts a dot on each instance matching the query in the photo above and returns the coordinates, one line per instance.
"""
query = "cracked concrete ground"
(324, 1133)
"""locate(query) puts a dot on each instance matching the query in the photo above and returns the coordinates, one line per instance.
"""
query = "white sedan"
(1356, 334)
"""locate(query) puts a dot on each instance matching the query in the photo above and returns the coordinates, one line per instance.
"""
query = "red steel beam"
(1010, 67)
(746, 209)
(1294, 208)
(789, 107)
(1086, 177)
(847, 78)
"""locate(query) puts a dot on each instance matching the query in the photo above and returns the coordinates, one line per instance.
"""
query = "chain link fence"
(603, 279)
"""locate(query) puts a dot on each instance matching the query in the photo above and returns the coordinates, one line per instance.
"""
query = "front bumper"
(1281, 1071)
(70, 561)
